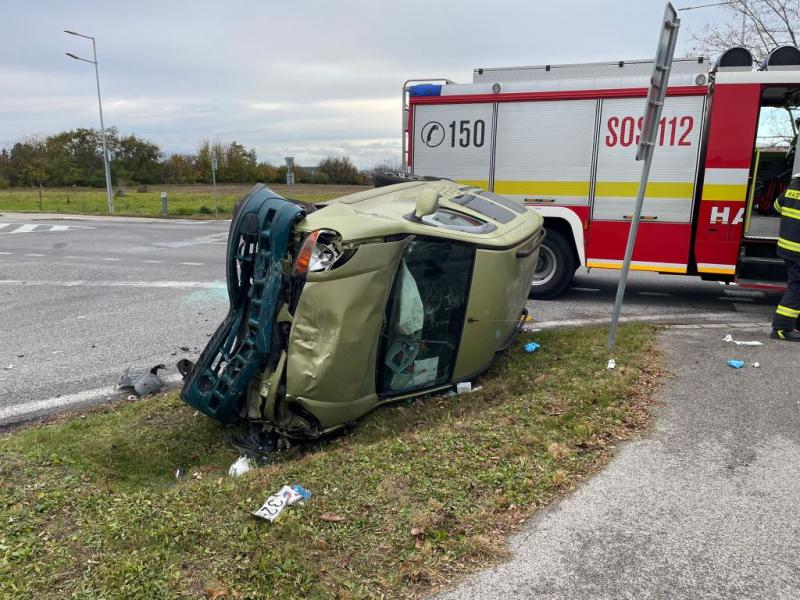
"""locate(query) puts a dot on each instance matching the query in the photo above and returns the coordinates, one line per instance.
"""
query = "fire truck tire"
(555, 269)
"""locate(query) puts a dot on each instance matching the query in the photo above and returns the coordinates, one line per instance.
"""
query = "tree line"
(75, 158)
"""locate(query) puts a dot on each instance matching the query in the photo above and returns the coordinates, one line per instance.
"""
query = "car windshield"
(425, 316)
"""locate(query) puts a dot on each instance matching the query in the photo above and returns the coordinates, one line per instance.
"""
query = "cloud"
(313, 78)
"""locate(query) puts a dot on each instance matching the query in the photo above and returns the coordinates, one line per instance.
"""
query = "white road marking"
(656, 294)
(59, 227)
(75, 257)
(112, 259)
(33, 254)
(16, 411)
(6, 253)
(583, 289)
(192, 264)
(145, 284)
(153, 261)
(25, 228)
(2, 225)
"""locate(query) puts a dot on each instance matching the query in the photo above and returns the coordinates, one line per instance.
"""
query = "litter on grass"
(143, 384)
(240, 467)
(736, 364)
(756, 365)
(532, 347)
(729, 338)
(612, 364)
(276, 503)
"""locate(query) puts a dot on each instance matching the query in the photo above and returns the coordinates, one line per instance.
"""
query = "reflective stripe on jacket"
(788, 205)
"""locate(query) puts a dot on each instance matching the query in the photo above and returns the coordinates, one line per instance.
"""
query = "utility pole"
(106, 164)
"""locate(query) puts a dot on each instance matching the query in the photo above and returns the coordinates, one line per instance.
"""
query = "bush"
(204, 210)
(4, 183)
(141, 189)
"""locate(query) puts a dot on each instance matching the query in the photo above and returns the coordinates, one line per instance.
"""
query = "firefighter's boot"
(786, 336)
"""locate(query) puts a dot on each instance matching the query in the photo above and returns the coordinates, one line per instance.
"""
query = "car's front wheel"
(555, 267)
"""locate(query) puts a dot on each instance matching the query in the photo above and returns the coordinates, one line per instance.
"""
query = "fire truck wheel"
(555, 268)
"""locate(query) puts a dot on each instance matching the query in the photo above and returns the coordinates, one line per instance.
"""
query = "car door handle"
(643, 217)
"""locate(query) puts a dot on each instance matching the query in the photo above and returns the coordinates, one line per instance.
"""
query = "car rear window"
(517, 207)
(484, 207)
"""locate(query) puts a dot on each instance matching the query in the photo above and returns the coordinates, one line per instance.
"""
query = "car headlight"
(321, 250)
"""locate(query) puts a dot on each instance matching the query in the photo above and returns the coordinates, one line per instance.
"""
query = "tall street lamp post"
(100, 105)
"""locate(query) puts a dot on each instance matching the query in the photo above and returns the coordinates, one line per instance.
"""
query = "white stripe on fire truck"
(727, 176)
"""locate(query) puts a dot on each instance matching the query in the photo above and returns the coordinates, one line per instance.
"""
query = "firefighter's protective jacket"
(788, 205)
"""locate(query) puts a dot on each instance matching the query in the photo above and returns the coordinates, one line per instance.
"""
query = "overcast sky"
(303, 78)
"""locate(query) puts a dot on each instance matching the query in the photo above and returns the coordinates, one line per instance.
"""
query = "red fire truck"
(562, 139)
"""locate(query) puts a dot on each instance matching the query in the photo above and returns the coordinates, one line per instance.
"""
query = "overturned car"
(342, 306)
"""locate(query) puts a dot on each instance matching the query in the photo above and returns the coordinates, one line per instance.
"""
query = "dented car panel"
(340, 307)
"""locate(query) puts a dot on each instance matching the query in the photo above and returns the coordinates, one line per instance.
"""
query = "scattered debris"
(20, 355)
(612, 364)
(756, 364)
(532, 347)
(729, 338)
(178, 473)
(332, 517)
(143, 384)
(240, 467)
(735, 363)
(9, 367)
(302, 491)
(275, 504)
(463, 387)
(183, 348)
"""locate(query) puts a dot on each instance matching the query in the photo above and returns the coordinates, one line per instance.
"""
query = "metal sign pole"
(652, 114)
(214, 183)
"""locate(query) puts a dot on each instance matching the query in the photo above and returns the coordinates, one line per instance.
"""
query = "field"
(418, 494)
(196, 201)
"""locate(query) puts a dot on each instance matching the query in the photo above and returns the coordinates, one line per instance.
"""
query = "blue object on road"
(736, 364)
(532, 347)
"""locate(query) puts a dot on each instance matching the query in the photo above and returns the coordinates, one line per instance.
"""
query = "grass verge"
(426, 491)
(183, 201)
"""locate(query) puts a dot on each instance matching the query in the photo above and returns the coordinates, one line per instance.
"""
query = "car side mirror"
(427, 203)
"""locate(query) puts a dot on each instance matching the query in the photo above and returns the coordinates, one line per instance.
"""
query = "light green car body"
(334, 368)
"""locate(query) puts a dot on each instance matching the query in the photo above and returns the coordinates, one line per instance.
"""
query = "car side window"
(424, 316)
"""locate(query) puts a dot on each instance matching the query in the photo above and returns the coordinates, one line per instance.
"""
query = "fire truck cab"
(562, 139)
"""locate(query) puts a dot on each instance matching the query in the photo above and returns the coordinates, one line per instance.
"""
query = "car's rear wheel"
(555, 267)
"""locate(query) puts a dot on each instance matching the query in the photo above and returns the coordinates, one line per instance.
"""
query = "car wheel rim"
(545, 267)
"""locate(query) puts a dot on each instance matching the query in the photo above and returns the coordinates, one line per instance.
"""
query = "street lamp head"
(88, 37)
(72, 55)
(70, 32)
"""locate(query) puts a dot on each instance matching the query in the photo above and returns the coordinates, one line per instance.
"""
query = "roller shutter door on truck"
(454, 141)
(665, 235)
(544, 151)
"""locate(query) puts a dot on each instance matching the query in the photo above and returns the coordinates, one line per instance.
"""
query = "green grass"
(183, 201)
(90, 507)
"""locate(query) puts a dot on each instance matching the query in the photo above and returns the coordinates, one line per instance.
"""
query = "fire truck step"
(762, 260)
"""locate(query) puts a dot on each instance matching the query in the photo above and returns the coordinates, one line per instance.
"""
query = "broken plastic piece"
(735, 363)
(143, 384)
(240, 467)
(275, 504)
(612, 364)
(532, 347)
(302, 491)
(729, 338)
(756, 365)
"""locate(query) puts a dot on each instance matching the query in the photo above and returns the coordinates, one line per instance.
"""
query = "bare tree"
(758, 25)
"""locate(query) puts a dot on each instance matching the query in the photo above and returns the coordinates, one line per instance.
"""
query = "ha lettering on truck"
(562, 139)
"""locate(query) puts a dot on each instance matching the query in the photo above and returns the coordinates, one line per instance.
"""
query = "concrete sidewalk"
(705, 506)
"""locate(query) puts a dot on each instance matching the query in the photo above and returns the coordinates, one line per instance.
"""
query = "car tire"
(555, 268)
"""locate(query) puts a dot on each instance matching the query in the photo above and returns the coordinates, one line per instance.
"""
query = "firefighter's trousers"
(788, 310)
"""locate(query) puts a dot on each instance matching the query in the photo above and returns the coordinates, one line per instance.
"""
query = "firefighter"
(786, 316)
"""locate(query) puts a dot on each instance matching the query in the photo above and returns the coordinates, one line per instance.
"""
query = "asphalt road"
(704, 507)
(83, 298)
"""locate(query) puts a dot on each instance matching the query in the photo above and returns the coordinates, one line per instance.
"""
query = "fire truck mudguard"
(257, 245)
